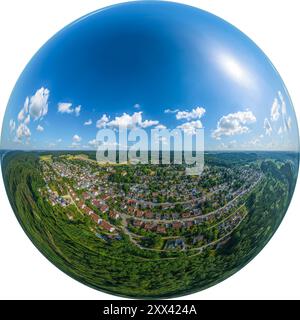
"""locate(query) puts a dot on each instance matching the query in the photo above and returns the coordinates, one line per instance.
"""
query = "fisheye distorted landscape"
(148, 229)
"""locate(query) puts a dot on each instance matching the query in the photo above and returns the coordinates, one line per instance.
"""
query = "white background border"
(26, 25)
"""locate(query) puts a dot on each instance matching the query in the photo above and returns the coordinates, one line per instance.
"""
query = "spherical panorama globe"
(150, 150)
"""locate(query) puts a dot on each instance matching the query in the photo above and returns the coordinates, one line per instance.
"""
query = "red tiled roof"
(176, 225)
(139, 213)
(148, 214)
(161, 229)
(107, 226)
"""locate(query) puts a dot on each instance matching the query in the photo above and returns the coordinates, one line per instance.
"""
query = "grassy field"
(46, 157)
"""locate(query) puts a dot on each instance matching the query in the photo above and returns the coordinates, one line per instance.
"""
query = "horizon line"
(93, 150)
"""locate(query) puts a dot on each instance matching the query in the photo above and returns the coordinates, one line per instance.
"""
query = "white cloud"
(65, 107)
(38, 104)
(76, 138)
(26, 105)
(23, 131)
(59, 140)
(278, 105)
(21, 115)
(39, 128)
(102, 122)
(137, 106)
(196, 113)
(287, 121)
(127, 121)
(149, 123)
(93, 143)
(132, 121)
(12, 125)
(88, 122)
(233, 124)
(24, 111)
(275, 114)
(283, 105)
(76, 141)
(171, 111)
(191, 127)
(77, 111)
(267, 127)
(27, 119)
(35, 107)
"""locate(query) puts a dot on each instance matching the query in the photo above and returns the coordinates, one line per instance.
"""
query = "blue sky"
(147, 64)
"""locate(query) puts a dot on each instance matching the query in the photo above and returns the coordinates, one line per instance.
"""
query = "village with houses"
(156, 207)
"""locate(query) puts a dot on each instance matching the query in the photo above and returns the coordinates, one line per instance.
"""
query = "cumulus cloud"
(76, 138)
(127, 121)
(27, 119)
(267, 127)
(283, 104)
(278, 111)
(196, 113)
(24, 111)
(102, 122)
(26, 105)
(12, 125)
(287, 121)
(233, 124)
(93, 143)
(35, 107)
(22, 132)
(88, 122)
(65, 107)
(137, 106)
(275, 110)
(38, 104)
(39, 128)
(191, 127)
(21, 115)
